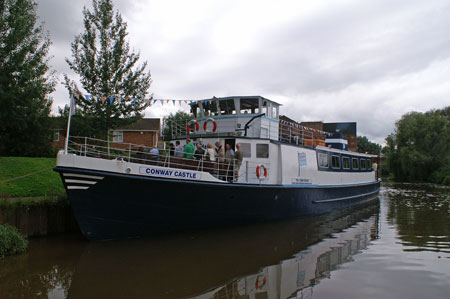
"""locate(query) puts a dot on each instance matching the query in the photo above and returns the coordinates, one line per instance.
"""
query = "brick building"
(145, 131)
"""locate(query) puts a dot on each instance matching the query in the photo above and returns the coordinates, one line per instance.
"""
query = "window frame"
(338, 160)
(258, 145)
(117, 135)
(357, 163)
(343, 164)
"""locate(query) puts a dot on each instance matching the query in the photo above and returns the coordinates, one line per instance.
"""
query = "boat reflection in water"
(275, 260)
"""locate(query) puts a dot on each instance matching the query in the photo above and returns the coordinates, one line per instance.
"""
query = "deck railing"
(90, 147)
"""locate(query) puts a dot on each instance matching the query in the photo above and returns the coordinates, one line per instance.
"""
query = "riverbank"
(32, 197)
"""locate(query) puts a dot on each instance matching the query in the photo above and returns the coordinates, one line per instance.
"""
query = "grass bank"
(16, 181)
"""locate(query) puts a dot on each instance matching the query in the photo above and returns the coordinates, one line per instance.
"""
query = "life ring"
(258, 172)
(259, 285)
(188, 126)
(205, 125)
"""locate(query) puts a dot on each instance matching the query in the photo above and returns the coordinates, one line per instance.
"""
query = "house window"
(56, 136)
(323, 160)
(246, 149)
(335, 162)
(355, 164)
(346, 162)
(117, 136)
(262, 150)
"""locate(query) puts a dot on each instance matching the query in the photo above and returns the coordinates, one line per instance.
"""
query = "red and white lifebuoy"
(261, 281)
(258, 172)
(190, 123)
(205, 125)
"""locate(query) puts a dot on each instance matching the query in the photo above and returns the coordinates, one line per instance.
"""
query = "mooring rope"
(26, 175)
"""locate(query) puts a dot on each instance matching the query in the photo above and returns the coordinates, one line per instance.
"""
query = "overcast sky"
(334, 61)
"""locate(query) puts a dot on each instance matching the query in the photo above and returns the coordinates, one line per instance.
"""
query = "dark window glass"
(262, 151)
(363, 164)
(355, 163)
(346, 162)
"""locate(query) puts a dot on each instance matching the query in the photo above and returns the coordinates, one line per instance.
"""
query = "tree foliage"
(420, 148)
(366, 146)
(25, 81)
(175, 123)
(108, 69)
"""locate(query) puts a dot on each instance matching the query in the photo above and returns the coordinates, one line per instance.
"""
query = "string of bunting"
(149, 102)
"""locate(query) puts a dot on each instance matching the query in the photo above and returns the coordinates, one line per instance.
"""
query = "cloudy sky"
(368, 61)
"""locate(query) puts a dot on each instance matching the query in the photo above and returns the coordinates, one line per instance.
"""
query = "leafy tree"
(364, 145)
(25, 81)
(175, 124)
(108, 70)
(420, 149)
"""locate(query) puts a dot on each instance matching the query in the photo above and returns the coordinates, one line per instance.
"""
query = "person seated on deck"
(154, 154)
(189, 149)
(199, 152)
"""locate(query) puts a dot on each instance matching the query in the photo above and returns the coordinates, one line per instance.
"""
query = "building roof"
(143, 124)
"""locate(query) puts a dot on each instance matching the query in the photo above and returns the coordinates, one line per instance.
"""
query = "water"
(394, 247)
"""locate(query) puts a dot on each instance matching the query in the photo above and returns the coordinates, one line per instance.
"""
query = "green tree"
(108, 70)
(25, 81)
(175, 124)
(420, 149)
(366, 146)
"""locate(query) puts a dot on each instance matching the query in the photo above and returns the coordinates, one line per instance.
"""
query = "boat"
(121, 190)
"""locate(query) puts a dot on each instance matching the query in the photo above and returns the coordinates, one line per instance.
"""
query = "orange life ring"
(258, 171)
(205, 125)
(263, 282)
(188, 126)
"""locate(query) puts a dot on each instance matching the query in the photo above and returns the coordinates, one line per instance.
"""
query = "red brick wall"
(135, 137)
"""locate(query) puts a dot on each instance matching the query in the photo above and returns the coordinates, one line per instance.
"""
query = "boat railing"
(295, 133)
(224, 169)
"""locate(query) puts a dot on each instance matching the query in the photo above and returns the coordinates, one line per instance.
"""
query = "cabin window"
(262, 150)
(369, 164)
(363, 164)
(323, 160)
(335, 162)
(246, 149)
(355, 164)
(346, 162)
(274, 112)
(227, 107)
(117, 136)
(249, 106)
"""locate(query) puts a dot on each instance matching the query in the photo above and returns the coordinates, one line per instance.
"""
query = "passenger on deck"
(179, 150)
(220, 154)
(238, 156)
(189, 149)
(171, 149)
(199, 152)
(229, 153)
(210, 153)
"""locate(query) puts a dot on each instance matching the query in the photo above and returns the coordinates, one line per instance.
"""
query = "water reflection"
(184, 265)
(421, 215)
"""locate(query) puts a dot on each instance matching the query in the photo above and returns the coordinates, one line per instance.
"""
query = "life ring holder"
(188, 126)
(258, 172)
(205, 125)
(258, 284)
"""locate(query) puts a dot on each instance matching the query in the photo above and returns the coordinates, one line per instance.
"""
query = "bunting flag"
(111, 100)
(103, 99)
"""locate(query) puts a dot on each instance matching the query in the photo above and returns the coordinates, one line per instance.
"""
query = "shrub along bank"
(11, 241)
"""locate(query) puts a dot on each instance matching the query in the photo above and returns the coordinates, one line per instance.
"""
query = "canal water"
(397, 246)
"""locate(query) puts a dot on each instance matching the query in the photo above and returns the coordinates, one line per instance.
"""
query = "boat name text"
(168, 173)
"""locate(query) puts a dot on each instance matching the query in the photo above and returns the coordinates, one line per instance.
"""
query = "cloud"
(364, 61)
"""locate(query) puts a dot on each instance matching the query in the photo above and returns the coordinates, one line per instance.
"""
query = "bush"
(11, 241)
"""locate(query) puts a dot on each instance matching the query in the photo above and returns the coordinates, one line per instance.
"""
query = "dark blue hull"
(120, 206)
